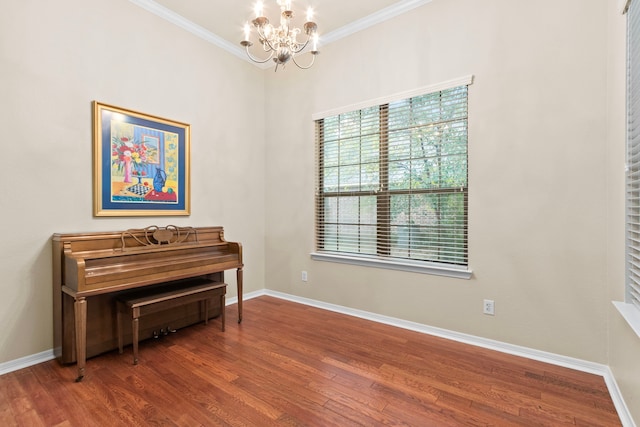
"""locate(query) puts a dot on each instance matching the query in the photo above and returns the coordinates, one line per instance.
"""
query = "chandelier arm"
(293, 58)
(264, 40)
(267, 44)
(302, 47)
(259, 61)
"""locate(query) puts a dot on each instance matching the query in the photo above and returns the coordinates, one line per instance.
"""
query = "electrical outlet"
(304, 276)
(489, 307)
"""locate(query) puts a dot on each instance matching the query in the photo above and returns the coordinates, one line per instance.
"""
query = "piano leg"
(80, 311)
(239, 281)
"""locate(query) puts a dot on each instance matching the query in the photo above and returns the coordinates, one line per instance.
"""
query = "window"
(633, 155)
(630, 309)
(392, 180)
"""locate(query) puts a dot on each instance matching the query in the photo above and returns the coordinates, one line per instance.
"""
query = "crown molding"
(382, 15)
(193, 28)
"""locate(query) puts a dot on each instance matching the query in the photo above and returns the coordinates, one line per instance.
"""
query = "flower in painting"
(125, 150)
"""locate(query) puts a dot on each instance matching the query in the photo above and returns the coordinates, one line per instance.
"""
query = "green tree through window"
(392, 179)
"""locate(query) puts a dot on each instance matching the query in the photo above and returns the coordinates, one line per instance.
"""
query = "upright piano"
(90, 269)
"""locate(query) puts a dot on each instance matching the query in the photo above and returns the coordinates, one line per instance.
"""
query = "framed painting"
(141, 163)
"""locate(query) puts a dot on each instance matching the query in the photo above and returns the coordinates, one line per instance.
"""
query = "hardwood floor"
(290, 364)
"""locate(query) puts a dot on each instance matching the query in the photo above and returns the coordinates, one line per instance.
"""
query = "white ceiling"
(221, 21)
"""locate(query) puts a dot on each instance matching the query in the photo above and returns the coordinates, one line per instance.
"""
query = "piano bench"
(140, 303)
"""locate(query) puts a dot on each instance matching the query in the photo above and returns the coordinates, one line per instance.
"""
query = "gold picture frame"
(141, 164)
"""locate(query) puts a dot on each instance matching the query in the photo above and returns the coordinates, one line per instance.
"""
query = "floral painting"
(141, 164)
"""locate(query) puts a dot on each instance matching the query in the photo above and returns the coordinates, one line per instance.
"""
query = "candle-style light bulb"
(287, 5)
(315, 42)
(258, 9)
(247, 31)
(309, 14)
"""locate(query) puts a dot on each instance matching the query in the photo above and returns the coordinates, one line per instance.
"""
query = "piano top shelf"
(94, 263)
(118, 252)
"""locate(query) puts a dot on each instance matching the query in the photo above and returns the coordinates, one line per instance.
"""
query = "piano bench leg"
(134, 328)
(119, 322)
(222, 310)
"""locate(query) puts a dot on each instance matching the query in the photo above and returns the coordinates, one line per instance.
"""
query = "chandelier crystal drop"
(281, 43)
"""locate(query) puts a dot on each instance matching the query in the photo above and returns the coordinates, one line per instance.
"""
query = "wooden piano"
(90, 269)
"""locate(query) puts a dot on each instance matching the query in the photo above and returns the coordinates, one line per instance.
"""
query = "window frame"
(630, 308)
(384, 261)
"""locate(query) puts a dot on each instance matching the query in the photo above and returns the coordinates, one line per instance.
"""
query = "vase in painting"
(127, 169)
(159, 179)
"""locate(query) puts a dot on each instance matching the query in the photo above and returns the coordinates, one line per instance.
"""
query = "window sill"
(447, 270)
(631, 314)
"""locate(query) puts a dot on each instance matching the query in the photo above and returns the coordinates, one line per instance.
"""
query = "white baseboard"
(555, 359)
(25, 362)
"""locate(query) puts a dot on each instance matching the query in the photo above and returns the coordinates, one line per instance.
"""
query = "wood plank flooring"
(292, 365)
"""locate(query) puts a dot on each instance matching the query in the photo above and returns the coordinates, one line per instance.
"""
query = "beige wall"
(55, 58)
(537, 222)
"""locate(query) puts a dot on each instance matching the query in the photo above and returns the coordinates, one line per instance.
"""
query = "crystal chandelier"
(281, 42)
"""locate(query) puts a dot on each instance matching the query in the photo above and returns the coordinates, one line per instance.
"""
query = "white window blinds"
(633, 155)
(392, 179)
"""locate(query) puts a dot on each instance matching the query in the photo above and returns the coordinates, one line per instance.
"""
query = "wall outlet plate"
(489, 307)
